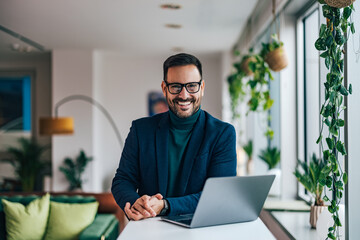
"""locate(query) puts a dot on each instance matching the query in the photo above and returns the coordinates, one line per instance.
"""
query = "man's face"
(183, 104)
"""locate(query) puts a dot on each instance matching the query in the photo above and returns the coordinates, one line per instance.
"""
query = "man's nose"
(184, 94)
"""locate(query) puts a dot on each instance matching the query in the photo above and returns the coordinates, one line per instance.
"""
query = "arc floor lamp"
(65, 125)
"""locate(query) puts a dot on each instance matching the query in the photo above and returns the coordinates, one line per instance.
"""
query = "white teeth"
(183, 103)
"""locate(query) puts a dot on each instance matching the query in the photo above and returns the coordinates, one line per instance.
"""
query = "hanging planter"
(245, 65)
(274, 54)
(277, 59)
(339, 3)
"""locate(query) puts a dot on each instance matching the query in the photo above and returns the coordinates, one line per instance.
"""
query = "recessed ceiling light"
(170, 25)
(170, 6)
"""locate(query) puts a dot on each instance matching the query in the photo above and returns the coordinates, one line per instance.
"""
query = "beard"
(178, 111)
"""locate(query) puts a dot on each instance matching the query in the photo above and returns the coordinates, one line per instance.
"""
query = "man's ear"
(202, 87)
(163, 88)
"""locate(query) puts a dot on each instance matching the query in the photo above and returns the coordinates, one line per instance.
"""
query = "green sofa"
(105, 225)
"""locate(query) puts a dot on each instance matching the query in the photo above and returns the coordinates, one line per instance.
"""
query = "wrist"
(165, 210)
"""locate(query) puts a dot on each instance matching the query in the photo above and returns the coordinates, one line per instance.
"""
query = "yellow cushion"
(26, 222)
(68, 220)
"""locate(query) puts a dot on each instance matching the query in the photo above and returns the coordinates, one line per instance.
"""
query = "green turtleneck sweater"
(179, 136)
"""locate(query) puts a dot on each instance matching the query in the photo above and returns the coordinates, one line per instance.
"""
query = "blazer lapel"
(192, 151)
(162, 134)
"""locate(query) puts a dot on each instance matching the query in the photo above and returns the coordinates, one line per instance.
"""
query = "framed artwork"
(157, 103)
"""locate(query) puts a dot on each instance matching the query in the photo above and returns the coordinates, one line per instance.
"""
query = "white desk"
(154, 228)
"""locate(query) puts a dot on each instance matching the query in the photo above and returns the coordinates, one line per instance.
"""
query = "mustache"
(177, 99)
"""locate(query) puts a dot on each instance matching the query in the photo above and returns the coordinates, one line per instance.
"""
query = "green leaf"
(341, 148)
(326, 198)
(327, 11)
(330, 235)
(352, 28)
(324, 54)
(326, 170)
(346, 12)
(345, 178)
(340, 122)
(343, 90)
(319, 139)
(330, 143)
(329, 41)
(327, 62)
(350, 88)
(322, 30)
(320, 44)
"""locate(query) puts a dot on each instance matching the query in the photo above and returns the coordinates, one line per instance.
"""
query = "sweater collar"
(183, 123)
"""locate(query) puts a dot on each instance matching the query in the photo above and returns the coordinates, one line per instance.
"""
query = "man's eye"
(192, 85)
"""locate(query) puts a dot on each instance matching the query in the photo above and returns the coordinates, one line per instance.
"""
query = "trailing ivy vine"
(259, 93)
(331, 41)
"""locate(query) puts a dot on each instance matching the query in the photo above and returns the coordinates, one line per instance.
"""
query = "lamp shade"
(59, 125)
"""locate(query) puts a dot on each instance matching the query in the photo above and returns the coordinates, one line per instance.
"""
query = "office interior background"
(113, 51)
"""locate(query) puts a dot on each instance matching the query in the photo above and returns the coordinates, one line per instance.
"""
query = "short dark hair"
(181, 59)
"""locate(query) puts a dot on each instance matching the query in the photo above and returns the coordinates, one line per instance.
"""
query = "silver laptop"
(227, 200)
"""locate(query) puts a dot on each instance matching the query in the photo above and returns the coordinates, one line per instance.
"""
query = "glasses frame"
(168, 85)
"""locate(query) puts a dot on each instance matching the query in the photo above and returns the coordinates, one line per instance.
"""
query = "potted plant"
(27, 161)
(73, 170)
(331, 41)
(274, 54)
(248, 148)
(309, 176)
(271, 156)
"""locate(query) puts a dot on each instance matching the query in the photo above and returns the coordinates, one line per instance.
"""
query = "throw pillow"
(26, 222)
(68, 220)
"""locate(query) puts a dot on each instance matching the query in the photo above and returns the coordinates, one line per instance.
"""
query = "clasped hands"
(145, 207)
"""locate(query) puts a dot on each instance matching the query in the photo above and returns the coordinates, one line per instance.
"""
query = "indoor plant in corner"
(309, 176)
(271, 156)
(73, 170)
(332, 38)
(27, 161)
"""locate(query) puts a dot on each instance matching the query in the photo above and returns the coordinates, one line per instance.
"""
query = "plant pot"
(277, 59)
(339, 3)
(314, 214)
(245, 66)
(275, 189)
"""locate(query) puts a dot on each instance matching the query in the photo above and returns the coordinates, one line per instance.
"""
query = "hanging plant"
(331, 41)
(246, 60)
(274, 54)
(236, 88)
(259, 92)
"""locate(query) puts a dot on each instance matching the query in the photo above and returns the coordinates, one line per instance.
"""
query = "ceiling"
(132, 27)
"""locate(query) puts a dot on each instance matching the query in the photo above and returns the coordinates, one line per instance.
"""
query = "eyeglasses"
(176, 88)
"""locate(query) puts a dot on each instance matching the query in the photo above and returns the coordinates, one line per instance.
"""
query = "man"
(168, 157)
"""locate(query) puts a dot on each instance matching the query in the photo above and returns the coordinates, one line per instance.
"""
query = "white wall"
(72, 74)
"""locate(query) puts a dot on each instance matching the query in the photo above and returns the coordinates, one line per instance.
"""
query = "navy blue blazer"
(143, 167)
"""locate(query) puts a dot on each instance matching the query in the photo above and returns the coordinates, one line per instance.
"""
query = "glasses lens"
(175, 88)
(192, 87)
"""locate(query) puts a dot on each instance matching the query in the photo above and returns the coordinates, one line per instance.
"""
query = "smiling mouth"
(184, 103)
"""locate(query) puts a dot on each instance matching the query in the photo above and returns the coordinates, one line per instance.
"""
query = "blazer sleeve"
(125, 183)
(222, 164)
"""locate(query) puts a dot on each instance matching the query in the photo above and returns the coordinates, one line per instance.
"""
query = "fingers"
(142, 205)
(132, 214)
(158, 196)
